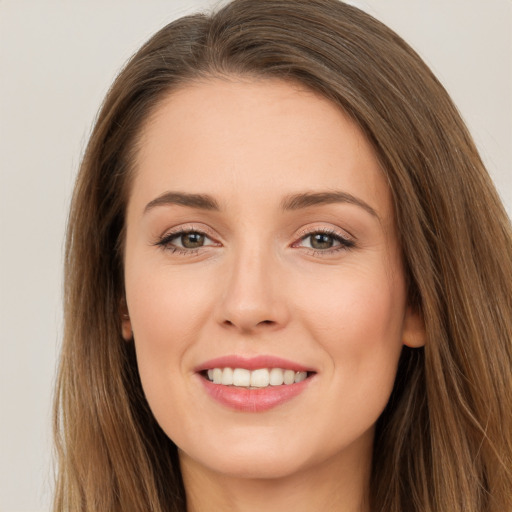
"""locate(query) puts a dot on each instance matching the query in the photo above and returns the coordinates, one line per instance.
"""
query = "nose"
(254, 298)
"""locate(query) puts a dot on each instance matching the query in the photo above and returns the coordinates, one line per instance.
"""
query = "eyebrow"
(305, 200)
(201, 201)
(292, 202)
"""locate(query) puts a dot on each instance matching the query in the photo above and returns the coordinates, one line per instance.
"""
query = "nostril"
(230, 324)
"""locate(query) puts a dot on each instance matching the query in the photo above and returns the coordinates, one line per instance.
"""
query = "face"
(264, 282)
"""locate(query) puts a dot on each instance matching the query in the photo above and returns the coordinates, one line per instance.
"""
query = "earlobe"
(126, 328)
(414, 329)
(126, 324)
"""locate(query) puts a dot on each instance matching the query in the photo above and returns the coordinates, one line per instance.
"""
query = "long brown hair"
(444, 442)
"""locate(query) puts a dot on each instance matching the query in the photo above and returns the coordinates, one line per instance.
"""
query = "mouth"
(254, 379)
(254, 384)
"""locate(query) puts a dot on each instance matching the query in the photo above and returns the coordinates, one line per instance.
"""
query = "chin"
(251, 455)
(260, 466)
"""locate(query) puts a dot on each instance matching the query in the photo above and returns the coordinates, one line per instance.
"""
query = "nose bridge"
(252, 296)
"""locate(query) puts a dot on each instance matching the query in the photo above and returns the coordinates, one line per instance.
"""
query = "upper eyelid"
(188, 228)
(168, 235)
(334, 231)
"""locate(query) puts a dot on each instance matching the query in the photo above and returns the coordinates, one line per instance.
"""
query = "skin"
(258, 287)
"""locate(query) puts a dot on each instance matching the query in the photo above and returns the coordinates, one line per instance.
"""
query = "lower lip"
(254, 400)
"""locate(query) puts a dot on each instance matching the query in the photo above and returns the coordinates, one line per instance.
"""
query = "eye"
(190, 240)
(321, 241)
(185, 240)
(325, 241)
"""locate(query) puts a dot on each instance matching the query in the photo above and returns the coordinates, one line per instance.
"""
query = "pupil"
(192, 240)
(321, 241)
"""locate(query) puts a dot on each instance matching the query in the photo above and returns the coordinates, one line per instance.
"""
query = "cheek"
(165, 304)
(356, 300)
(358, 320)
(167, 310)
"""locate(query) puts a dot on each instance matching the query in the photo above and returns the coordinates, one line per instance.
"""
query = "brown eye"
(186, 241)
(192, 240)
(322, 241)
(326, 242)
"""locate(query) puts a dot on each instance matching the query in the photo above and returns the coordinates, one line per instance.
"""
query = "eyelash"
(165, 242)
(345, 243)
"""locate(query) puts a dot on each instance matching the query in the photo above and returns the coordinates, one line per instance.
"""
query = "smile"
(259, 378)
(254, 384)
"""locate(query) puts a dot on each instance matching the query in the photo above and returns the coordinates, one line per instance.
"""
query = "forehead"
(254, 137)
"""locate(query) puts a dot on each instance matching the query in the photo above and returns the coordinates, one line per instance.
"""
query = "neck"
(336, 485)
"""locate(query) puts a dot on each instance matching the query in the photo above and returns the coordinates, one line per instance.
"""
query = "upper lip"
(252, 363)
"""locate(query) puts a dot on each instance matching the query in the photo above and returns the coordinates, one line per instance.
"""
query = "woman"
(288, 279)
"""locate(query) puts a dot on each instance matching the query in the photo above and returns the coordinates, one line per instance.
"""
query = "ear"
(126, 324)
(414, 328)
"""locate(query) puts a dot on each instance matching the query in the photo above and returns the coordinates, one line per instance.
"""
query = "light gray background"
(57, 59)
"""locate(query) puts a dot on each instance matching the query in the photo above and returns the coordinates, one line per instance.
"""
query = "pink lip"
(252, 363)
(252, 400)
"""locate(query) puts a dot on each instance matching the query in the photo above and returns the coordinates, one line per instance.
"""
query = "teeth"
(276, 377)
(217, 375)
(289, 376)
(227, 377)
(260, 378)
(241, 377)
(300, 376)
